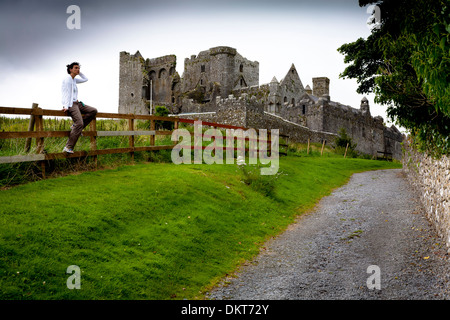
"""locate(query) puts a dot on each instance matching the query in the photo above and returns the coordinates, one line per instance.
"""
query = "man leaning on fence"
(73, 107)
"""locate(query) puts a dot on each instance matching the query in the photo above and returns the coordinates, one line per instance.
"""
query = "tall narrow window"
(303, 109)
(241, 68)
(202, 68)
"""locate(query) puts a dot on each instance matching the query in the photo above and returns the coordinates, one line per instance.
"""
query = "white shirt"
(69, 89)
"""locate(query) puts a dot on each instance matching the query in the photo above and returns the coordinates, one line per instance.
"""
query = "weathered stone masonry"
(221, 85)
(431, 178)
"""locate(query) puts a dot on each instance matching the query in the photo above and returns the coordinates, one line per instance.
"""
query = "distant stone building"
(220, 85)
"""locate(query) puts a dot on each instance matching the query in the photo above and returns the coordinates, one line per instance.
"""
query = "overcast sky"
(36, 43)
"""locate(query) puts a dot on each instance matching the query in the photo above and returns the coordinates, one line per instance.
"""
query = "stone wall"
(161, 71)
(431, 178)
(249, 113)
(366, 131)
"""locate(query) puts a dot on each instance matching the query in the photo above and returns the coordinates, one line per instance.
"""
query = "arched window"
(162, 73)
(293, 102)
(241, 68)
(145, 92)
(285, 99)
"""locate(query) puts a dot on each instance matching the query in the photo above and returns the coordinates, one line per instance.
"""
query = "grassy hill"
(154, 230)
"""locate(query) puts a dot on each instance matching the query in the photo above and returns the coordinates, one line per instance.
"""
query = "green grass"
(11, 147)
(19, 173)
(151, 231)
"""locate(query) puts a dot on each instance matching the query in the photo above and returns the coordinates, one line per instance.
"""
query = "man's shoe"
(67, 150)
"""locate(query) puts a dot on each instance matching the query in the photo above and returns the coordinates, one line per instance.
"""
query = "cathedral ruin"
(220, 85)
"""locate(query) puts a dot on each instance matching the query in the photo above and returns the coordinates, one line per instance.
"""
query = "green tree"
(344, 142)
(344, 139)
(162, 111)
(405, 62)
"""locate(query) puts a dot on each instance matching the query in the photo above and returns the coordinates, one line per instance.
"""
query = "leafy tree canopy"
(405, 62)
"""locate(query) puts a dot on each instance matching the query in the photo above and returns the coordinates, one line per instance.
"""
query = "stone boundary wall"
(235, 116)
(297, 132)
(431, 178)
(201, 116)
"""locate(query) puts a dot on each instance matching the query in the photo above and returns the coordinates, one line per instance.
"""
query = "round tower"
(223, 67)
(364, 107)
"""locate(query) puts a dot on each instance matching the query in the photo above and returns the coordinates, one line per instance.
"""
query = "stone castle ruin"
(222, 86)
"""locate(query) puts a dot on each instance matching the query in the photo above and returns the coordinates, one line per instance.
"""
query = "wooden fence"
(36, 131)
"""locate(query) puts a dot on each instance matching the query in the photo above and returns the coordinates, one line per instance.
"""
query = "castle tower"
(132, 84)
(222, 68)
(364, 107)
(321, 87)
(274, 96)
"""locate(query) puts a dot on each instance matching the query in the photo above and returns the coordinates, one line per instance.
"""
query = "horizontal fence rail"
(36, 131)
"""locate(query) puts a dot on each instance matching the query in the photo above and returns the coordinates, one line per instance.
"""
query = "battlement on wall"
(244, 98)
(222, 50)
(164, 60)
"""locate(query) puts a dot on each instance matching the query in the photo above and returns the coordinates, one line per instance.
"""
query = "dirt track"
(374, 220)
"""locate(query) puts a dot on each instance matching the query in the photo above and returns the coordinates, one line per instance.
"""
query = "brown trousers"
(75, 112)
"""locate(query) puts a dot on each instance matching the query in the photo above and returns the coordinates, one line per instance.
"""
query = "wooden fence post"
(323, 145)
(39, 121)
(93, 127)
(215, 142)
(39, 127)
(307, 152)
(131, 139)
(345, 154)
(30, 127)
(269, 148)
(152, 137)
(175, 127)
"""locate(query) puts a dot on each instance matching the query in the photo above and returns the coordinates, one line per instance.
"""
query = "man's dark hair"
(70, 66)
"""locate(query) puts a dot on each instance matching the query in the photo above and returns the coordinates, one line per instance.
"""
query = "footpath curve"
(375, 219)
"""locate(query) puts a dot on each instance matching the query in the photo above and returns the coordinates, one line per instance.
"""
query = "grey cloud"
(34, 30)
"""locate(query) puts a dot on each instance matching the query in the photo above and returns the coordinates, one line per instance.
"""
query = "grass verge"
(151, 231)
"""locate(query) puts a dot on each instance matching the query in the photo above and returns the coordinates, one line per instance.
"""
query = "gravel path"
(375, 219)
